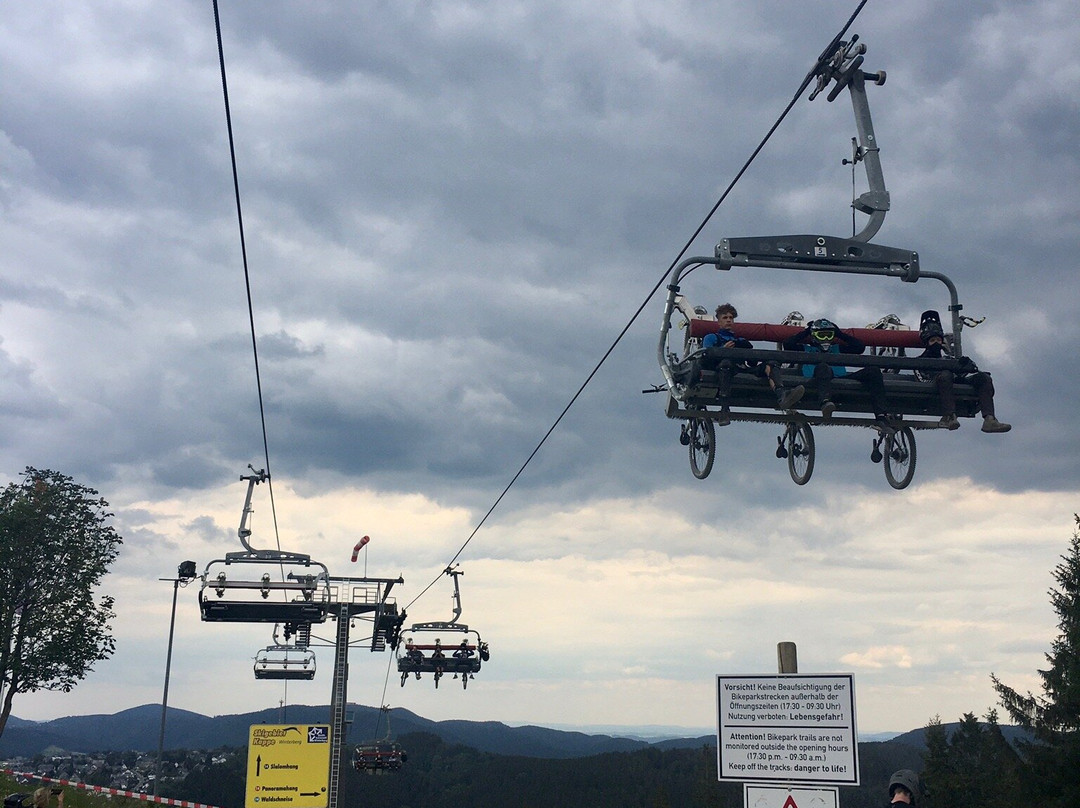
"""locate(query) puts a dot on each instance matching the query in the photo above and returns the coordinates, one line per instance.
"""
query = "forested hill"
(443, 775)
(137, 729)
(454, 763)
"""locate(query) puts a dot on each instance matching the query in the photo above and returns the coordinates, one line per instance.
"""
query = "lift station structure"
(295, 592)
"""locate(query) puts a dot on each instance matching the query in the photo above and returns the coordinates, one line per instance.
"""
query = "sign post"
(787, 728)
(288, 766)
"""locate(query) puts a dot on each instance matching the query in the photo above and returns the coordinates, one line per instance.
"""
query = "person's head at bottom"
(904, 788)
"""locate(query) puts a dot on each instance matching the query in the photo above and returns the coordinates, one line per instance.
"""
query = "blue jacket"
(846, 344)
(723, 336)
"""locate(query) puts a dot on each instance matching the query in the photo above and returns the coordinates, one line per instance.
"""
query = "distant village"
(124, 771)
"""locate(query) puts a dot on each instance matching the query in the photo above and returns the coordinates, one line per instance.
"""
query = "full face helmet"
(930, 327)
(822, 331)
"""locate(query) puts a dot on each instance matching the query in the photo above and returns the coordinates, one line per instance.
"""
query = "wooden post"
(787, 660)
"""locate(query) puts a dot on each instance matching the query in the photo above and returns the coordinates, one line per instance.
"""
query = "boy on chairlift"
(725, 338)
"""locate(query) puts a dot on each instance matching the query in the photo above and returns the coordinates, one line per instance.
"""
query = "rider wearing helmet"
(904, 788)
(823, 336)
(933, 337)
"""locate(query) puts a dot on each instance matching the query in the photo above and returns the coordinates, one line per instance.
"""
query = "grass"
(73, 797)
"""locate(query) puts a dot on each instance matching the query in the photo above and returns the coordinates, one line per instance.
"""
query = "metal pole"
(165, 694)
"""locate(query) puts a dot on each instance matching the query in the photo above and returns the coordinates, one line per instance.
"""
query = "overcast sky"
(451, 210)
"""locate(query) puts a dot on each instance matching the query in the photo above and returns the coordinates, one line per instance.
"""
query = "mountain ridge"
(137, 729)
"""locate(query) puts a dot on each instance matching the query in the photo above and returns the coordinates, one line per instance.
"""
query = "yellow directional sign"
(288, 766)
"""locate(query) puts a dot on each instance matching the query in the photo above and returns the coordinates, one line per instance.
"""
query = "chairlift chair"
(423, 649)
(382, 755)
(263, 586)
(707, 387)
(285, 662)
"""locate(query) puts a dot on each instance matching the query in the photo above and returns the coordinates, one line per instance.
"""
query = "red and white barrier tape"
(115, 792)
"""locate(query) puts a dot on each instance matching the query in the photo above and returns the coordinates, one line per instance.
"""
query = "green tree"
(55, 547)
(974, 768)
(937, 777)
(1053, 717)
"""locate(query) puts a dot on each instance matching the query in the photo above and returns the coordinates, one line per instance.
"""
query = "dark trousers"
(870, 378)
(728, 369)
(984, 389)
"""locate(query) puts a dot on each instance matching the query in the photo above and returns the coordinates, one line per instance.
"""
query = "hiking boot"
(949, 422)
(724, 416)
(788, 398)
(827, 408)
(992, 424)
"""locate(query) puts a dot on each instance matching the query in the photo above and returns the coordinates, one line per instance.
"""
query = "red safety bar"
(767, 332)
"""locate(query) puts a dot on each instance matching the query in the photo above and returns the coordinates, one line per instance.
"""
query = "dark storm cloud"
(451, 211)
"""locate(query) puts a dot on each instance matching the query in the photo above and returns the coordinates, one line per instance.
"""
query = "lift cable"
(386, 682)
(810, 77)
(247, 274)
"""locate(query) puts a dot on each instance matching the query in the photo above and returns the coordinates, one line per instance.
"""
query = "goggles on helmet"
(823, 335)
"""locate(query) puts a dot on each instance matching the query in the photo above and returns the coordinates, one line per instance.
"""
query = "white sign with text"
(787, 727)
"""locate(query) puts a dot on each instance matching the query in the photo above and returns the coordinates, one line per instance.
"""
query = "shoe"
(827, 408)
(949, 422)
(724, 417)
(883, 422)
(786, 399)
(992, 424)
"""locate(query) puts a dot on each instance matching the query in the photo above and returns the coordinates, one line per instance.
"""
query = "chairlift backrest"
(265, 588)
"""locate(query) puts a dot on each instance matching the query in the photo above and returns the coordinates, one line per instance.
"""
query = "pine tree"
(1053, 717)
(937, 775)
(974, 768)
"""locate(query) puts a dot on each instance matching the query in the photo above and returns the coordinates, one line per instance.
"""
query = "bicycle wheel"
(799, 442)
(900, 457)
(702, 446)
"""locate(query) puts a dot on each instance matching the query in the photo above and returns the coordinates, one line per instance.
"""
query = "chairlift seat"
(448, 665)
(905, 393)
(288, 674)
(262, 611)
(377, 756)
(234, 591)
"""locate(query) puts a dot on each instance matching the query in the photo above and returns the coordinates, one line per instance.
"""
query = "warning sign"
(784, 797)
(288, 766)
(785, 728)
